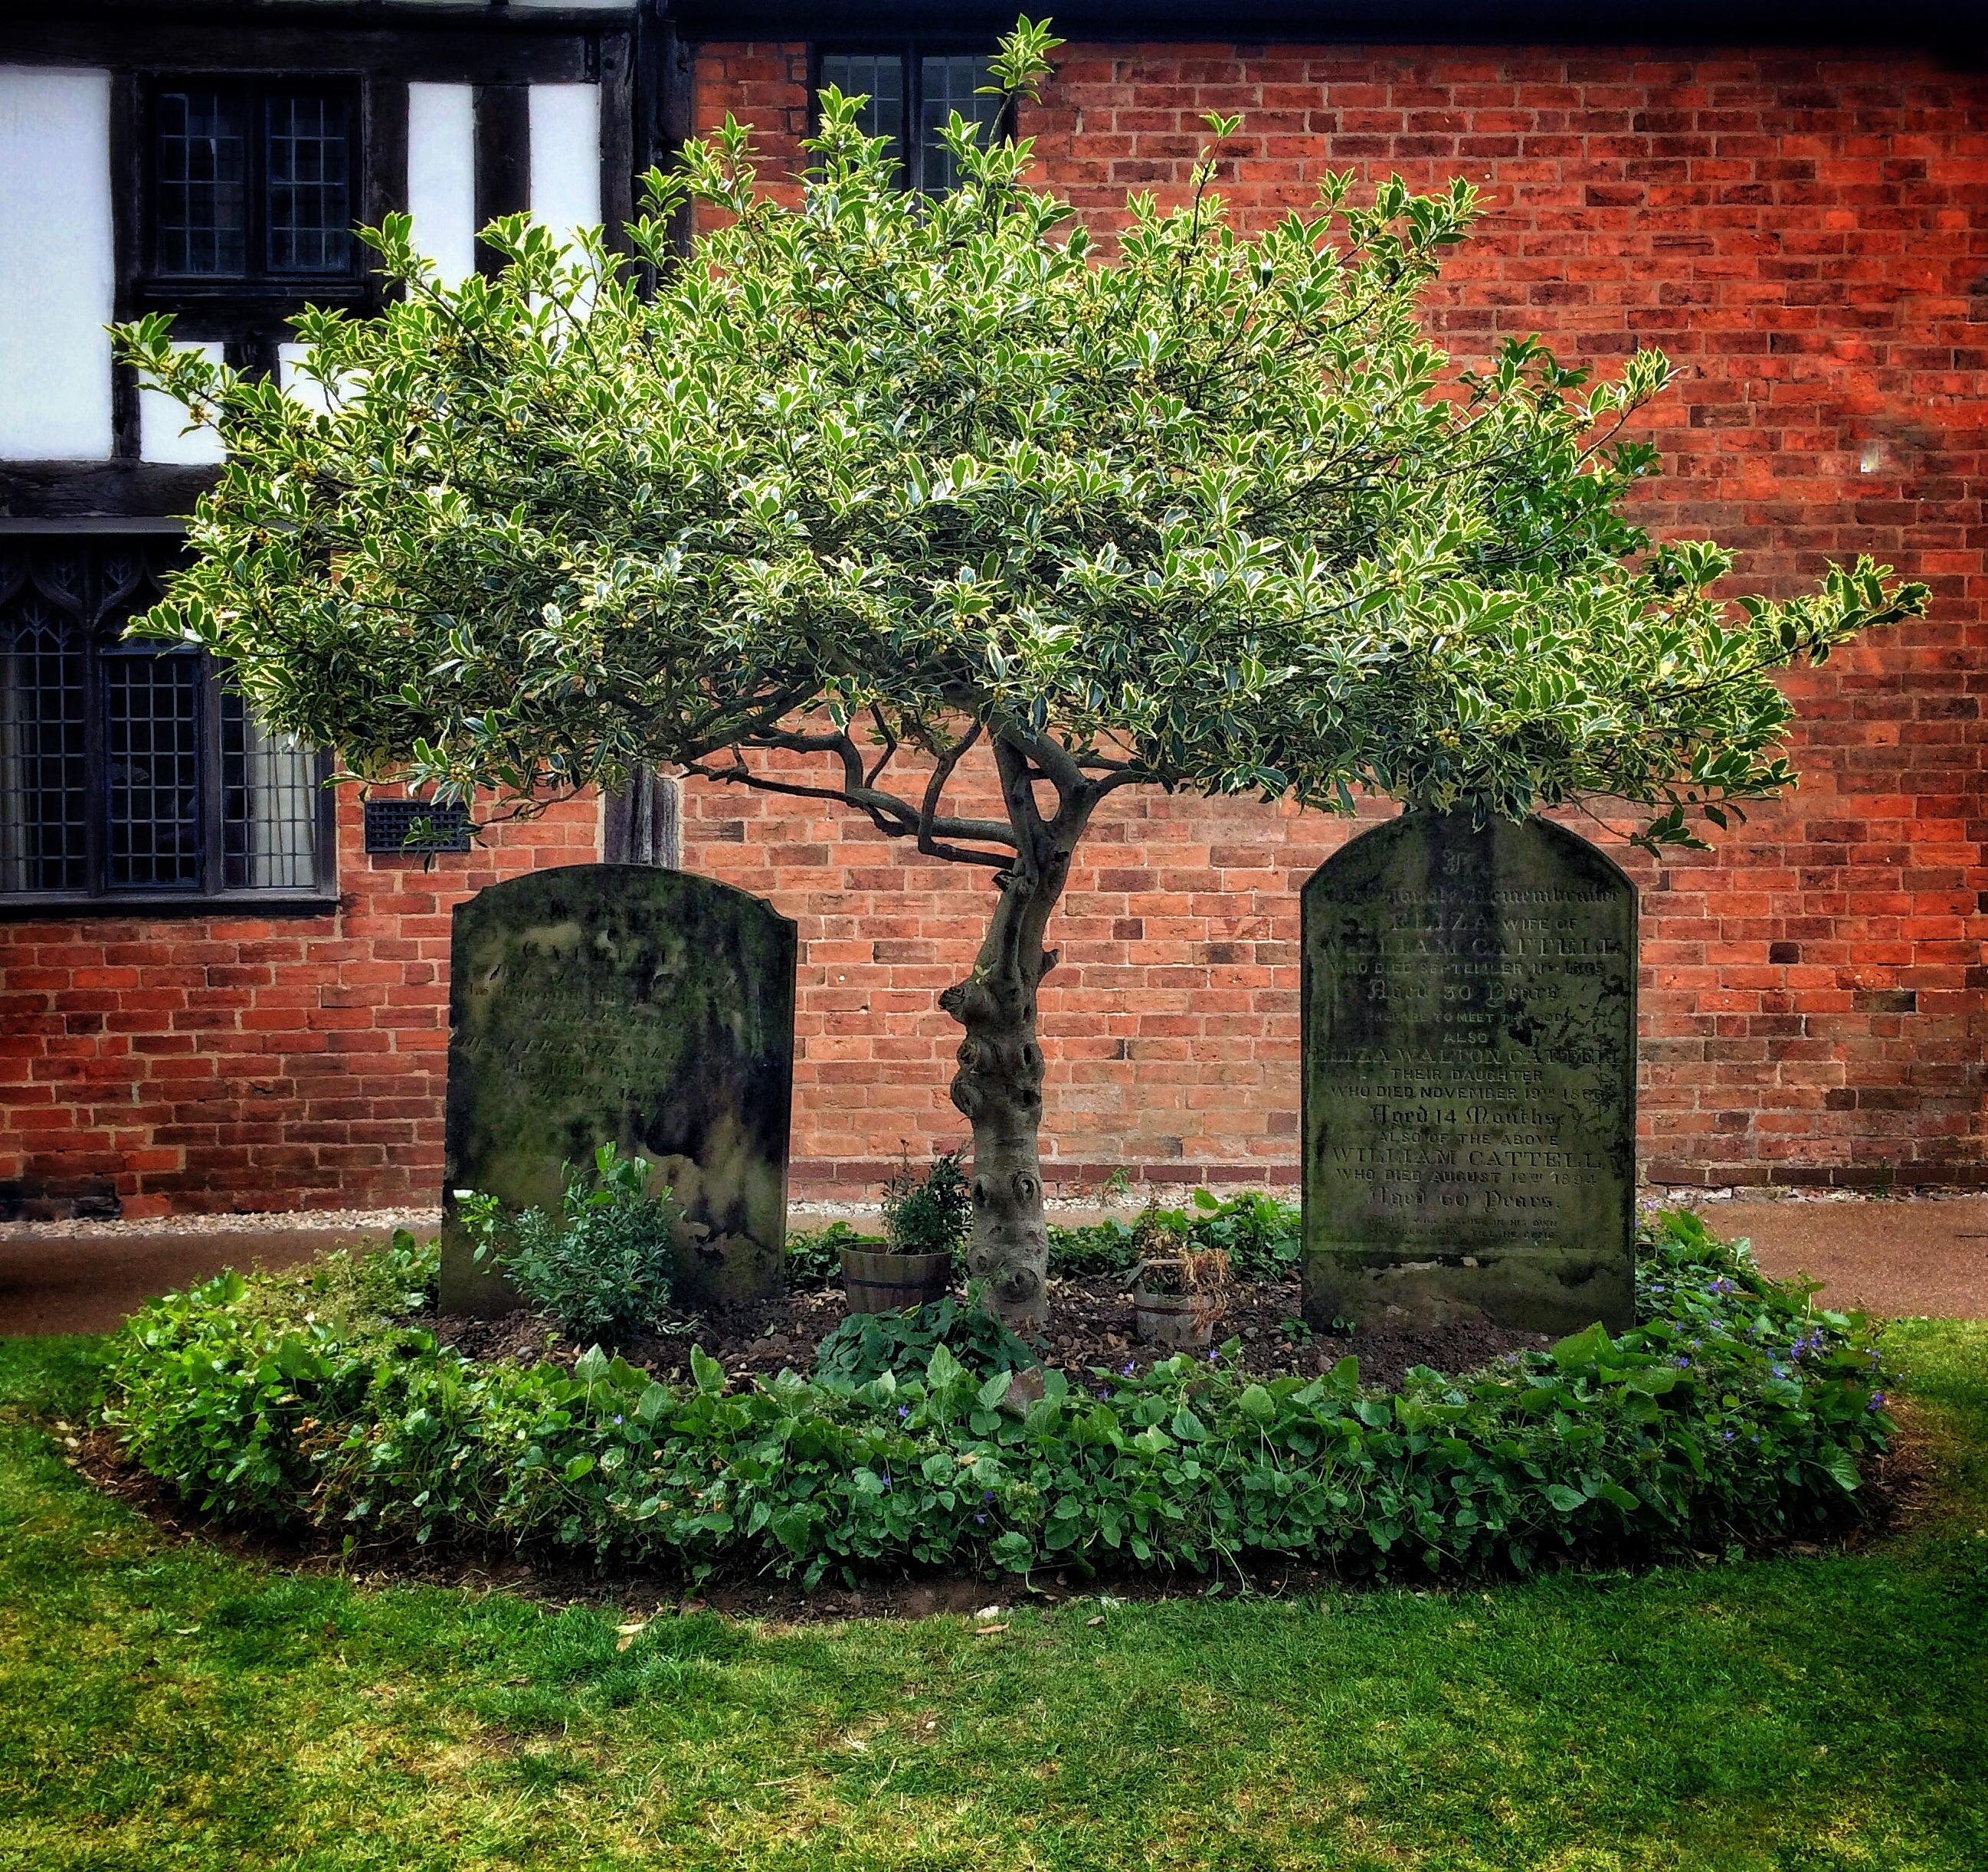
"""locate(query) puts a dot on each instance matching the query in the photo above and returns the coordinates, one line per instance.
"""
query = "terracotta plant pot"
(875, 1282)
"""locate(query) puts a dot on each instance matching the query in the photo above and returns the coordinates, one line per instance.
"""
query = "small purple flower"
(1214, 1355)
(1877, 1401)
(617, 1416)
(1729, 1435)
(989, 1496)
(1682, 1360)
(1126, 1369)
(980, 1520)
(904, 1411)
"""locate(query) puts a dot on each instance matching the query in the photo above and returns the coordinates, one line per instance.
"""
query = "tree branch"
(936, 835)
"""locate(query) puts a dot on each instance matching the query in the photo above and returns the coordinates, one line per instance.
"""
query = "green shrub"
(814, 1255)
(865, 1345)
(602, 1268)
(928, 1215)
(1734, 1411)
(1261, 1236)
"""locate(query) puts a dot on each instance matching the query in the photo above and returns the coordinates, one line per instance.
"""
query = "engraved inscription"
(1469, 1074)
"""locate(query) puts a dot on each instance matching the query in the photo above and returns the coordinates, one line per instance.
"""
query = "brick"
(1794, 226)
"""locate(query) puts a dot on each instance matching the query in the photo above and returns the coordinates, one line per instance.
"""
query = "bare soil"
(1091, 1332)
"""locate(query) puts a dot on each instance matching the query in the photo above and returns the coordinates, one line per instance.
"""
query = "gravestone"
(1469, 1019)
(617, 1002)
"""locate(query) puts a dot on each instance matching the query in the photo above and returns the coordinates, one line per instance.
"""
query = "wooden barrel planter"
(875, 1282)
(1184, 1321)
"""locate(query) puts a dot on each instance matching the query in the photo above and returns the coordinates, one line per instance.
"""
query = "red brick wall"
(1807, 235)
(220, 1062)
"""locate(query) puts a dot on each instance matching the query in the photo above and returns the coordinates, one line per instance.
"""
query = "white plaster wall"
(161, 421)
(441, 176)
(566, 156)
(290, 379)
(57, 265)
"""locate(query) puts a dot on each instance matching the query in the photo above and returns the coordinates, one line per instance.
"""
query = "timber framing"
(378, 49)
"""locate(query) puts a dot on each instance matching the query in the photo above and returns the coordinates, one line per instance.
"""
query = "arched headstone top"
(620, 1003)
(582, 883)
(1442, 844)
(1469, 1075)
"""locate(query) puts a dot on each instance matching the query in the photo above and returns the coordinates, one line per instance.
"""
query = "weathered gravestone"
(1469, 1077)
(617, 1002)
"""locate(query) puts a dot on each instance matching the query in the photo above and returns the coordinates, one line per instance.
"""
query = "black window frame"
(99, 619)
(911, 54)
(155, 288)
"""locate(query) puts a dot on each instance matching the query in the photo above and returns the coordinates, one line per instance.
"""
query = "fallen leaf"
(1098, 1620)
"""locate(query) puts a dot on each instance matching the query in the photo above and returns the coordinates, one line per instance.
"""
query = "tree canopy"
(1212, 510)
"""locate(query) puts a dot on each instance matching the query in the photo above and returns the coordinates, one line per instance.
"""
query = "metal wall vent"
(416, 826)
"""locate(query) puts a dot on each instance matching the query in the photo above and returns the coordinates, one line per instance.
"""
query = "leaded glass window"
(912, 87)
(202, 182)
(127, 770)
(879, 80)
(309, 183)
(252, 184)
(950, 82)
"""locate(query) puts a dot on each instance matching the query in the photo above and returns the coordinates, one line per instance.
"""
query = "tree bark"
(999, 1086)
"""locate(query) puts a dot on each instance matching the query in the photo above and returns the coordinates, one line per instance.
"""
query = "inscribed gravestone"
(1469, 1077)
(616, 1002)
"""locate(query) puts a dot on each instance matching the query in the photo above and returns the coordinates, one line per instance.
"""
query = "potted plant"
(1178, 1291)
(925, 1220)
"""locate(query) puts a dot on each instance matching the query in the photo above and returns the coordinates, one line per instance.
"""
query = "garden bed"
(1735, 1413)
(1090, 1332)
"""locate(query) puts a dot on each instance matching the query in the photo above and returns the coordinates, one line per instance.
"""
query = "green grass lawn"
(164, 1706)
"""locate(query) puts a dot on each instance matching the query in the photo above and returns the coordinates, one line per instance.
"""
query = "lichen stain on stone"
(620, 1003)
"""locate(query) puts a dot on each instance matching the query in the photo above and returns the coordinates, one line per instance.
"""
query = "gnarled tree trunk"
(999, 1086)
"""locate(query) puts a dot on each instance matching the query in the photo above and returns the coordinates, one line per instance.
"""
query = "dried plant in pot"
(1178, 1291)
(925, 1220)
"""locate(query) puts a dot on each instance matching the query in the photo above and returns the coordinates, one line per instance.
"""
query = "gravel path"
(1905, 1255)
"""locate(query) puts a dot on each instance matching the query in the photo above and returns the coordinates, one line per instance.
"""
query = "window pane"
(881, 79)
(202, 205)
(269, 795)
(949, 85)
(43, 777)
(151, 744)
(310, 184)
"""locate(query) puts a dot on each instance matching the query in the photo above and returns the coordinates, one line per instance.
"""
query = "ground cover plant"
(1259, 1231)
(927, 506)
(1814, 1710)
(1734, 1411)
(601, 1268)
